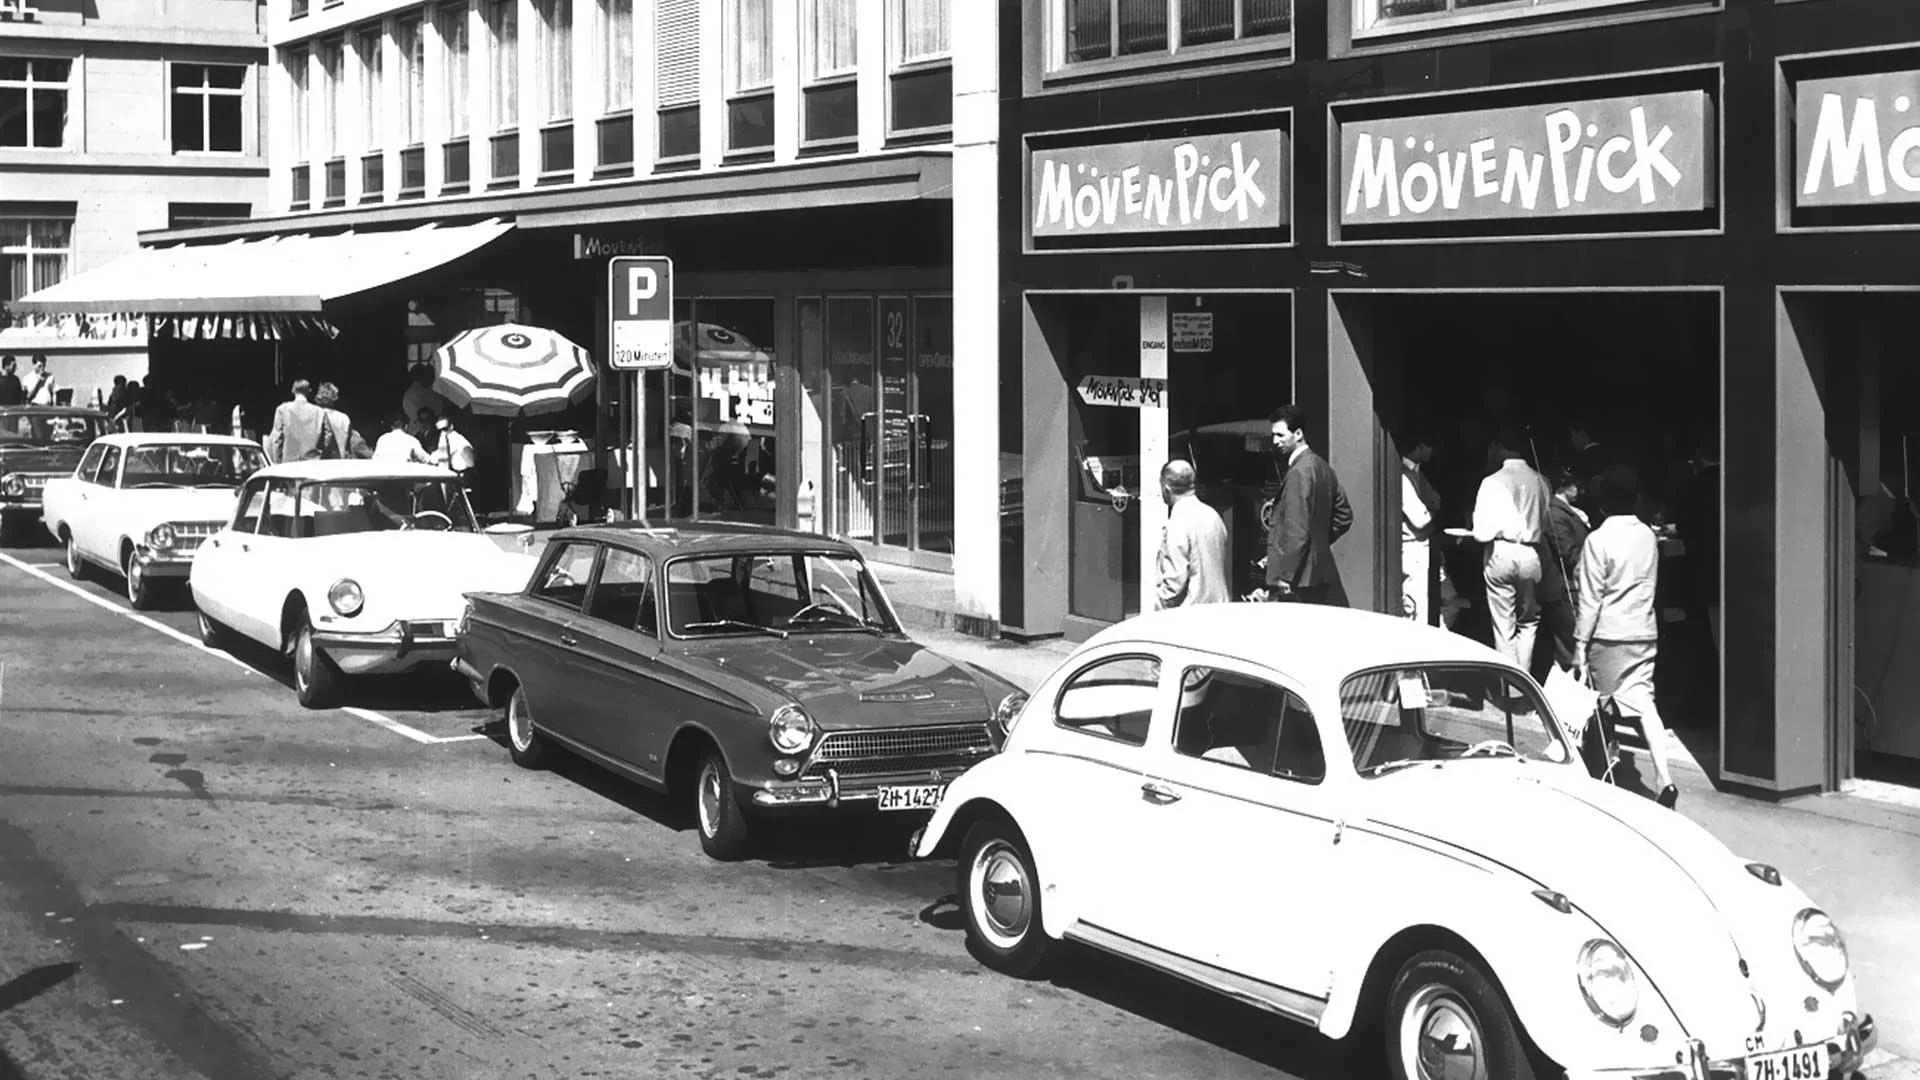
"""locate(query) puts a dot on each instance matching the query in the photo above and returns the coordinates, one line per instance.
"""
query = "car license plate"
(918, 797)
(1800, 1063)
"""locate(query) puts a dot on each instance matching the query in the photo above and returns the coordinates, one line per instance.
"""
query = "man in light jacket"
(1193, 544)
(1618, 631)
(296, 427)
(1510, 519)
(1309, 513)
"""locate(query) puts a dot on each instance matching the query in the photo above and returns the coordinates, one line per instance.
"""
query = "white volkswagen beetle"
(1366, 825)
(352, 567)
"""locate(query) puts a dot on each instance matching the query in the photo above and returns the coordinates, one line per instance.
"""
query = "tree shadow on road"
(23, 989)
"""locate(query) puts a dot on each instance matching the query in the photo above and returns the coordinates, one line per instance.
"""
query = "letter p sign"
(639, 312)
(642, 284)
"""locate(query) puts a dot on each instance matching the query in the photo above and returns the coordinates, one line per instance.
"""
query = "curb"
(1881, 1065)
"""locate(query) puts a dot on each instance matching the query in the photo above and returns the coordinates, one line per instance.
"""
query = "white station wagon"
(352, 567)
(1370, 826)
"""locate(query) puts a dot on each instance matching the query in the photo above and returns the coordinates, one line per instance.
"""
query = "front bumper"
(23, 506)
(398, 648)
(834, 792)
(1846, 1050)
(171, 563)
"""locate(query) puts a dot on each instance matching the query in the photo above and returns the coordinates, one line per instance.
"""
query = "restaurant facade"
(1684, 230)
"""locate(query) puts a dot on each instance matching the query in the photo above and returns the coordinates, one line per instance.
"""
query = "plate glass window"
(750, 75)
(503, 27)
(1084, 31)
(35, 252)
(722, 433)
(207, 107)
(33, 102)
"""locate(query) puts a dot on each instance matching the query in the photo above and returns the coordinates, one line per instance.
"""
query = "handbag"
(1599, 748)
(1571, 699)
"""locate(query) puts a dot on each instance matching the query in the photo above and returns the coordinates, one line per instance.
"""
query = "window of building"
(676, 36)
(196, 215)
(33, 102)
(412, 45)
(452, 19)
(749, 61)
(207, 107)
(297, 83)
(920, 81)
(830, 95)
(503, 26)
(35, 250)
(366, 45)
(553, 44)
(616, 53)
(1087, 31)
(330, 53)
(1375, 17)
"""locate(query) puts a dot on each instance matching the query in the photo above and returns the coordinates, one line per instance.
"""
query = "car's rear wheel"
(725, 832)
(1446, 1020)
(316, 681)
(1000, 894)
(529, 750)
(76, 563)
(139, 587)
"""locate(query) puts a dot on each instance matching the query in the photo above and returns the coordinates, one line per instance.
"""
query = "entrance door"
(721, 435)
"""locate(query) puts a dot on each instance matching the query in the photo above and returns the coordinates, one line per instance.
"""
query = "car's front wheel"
(1000, 893)
(725, 832)
(76, 563)
(316, 681)
(528, 749)
(139, 586)
(1446, 1018)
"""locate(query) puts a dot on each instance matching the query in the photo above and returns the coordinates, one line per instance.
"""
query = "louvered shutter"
(677, 37)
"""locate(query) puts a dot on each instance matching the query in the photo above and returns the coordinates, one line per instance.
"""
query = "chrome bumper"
(395, 649)
(163, 564)
(832, 792)
(1846, 1050)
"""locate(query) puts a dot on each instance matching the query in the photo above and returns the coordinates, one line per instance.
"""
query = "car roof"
(52, 410)
(1311, 642)
(172, 438)
(704, 537)
(354, 469)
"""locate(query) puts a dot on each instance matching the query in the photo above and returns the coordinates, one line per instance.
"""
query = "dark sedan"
(747, 670)
(38, 443)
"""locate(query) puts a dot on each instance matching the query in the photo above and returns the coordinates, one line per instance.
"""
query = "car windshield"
(1401, 716)
(50, 429)
(381, 504)
(774, 594)
(190, 465)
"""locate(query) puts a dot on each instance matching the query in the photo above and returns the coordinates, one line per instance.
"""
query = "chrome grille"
(189, 535)
(888, 750)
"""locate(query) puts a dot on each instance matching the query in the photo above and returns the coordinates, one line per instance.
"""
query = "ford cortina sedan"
(350, 567)
(38, 444)
(750, 671)
(140, 505)
(1374, 827)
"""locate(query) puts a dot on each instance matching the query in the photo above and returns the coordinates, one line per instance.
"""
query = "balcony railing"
(456, 167)
(506, 159)
(413, 172)
(336, 175)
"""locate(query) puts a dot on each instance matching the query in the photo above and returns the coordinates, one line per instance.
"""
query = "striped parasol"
(512, 370)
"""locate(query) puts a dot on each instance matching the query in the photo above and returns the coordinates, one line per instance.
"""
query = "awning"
(296, 273)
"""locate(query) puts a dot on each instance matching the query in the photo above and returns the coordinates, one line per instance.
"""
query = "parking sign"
(640, 312)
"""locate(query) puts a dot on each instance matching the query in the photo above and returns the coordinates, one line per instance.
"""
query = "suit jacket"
(296, 431)
(348, 440)
(1309, 514)
(1566, 537)
(11, 390)
(1193, 556)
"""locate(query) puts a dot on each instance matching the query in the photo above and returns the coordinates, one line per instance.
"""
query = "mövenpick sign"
(1631, 155)
(1854, 140)
(1227, 181)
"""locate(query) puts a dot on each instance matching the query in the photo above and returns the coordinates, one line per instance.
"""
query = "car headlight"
(161, 537)
(12, 484)
(1608, 983)
(790, 729)
(346, 598)
(1008, 711)
(1821, 949)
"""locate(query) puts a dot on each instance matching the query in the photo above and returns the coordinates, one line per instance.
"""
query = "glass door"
(853, 416)
(933, 423)
(721, 433)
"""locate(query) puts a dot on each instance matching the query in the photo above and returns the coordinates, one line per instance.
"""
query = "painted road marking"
(368, 715)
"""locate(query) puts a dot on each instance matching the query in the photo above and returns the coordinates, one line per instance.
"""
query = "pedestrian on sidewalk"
(1303, 519)
(398, 444)
(296, 426)
(1510, 520)
(1419, 522)
(41, 387)
(1617, 634)
(1192, 565)
(1567, 530)
(338, 439)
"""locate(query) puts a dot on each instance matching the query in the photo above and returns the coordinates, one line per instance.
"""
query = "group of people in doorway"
(310, 425)
(1572, 556)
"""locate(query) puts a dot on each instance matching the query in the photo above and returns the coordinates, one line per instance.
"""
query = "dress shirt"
(455, 451)
(1416, 517)
(1619, 572)
(1512, 505)
(399, 446)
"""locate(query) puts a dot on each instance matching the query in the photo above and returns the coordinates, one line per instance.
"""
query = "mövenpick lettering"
(1842, 153)
(1204, 183)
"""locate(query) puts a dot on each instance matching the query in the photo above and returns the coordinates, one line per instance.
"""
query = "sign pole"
(638, 467)
(639, 339)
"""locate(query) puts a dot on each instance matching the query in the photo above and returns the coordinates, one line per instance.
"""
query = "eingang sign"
(1230, 181)
(1650, 154)
(1854, 139)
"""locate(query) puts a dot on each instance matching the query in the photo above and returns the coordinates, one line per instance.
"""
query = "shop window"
(1384, 17)
(1092, 31)
(35, 250)
(207, 101)
(920, 79)
(721, 431)
(830, 91)
(750, 75)
(451, 19)
(677, 78)
(33, 102)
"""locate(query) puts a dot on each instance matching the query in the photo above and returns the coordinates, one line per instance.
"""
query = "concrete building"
(118, 117)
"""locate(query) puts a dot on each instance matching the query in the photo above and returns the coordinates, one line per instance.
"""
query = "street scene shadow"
(22, 989)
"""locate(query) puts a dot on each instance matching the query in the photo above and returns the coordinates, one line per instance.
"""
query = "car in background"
(38, 443)
(140, 505)
(750, 671)
(1367, 825)
(350, 567)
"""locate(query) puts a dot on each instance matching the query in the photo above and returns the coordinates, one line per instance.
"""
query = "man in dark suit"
(11, 390)
(1308, 514)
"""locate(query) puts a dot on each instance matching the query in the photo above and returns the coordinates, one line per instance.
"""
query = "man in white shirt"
(1192, 564)
(1419, 510)
(454, 451)
(398, 444)
(41, 389)
(1510, 518)
(1617, 632)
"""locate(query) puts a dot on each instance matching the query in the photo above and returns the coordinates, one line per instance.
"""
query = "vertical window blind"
(751, 41)
(923, 30)
(452, 19)
(832, 39)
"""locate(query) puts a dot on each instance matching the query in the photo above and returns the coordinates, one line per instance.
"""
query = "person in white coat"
(1192, 564)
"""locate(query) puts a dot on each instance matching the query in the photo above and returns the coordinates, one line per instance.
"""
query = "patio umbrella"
(511, 370)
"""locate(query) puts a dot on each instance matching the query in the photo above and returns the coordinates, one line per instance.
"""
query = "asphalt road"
(199, 878)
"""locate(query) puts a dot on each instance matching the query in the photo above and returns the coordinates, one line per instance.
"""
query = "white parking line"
(368, 715)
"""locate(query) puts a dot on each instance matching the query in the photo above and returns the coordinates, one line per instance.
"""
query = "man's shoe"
(1668, 796)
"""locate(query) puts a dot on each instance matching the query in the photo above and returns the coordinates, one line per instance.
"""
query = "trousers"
(1416, 585)
(1513, 602)
(1624, 669)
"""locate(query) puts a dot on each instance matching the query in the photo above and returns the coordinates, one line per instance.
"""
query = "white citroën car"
(351, 567)
(1370, 826)
(141, 504)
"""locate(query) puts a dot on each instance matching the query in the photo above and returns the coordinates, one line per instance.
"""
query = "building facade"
(1681, 227)
(117, 117)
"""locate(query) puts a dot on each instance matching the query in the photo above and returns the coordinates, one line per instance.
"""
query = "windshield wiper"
(1386, 767)
(844, 620)
(717, 624)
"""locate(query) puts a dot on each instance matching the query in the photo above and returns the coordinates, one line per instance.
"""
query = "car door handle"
(213, 542)
(569, 640)
(1156, 792)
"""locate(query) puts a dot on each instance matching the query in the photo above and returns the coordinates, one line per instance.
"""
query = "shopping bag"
(1571, 700)
(1599, 747)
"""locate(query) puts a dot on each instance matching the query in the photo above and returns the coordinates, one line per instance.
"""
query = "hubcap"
(1001, 894)
(303, 657)
(1440, 1038)
(519, 724)
(136, 580)
(73, 556)
(709, 799)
